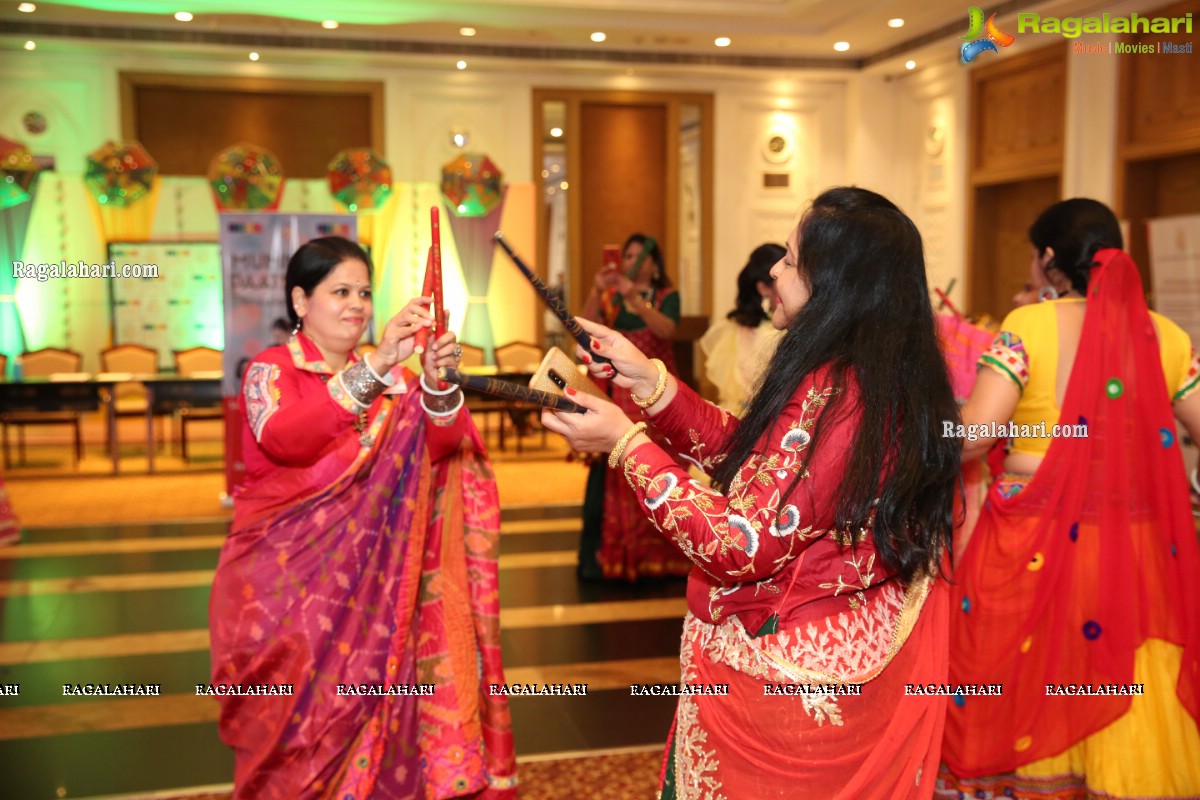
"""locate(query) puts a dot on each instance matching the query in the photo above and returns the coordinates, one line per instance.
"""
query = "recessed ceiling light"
(461, 65)
(31, 45)
(910, 65)
(467, 31)
(330, 24)
(895, 22)
(556, 132)
(841, 47)
(599, 36)
(254, 56)
(183, 16)
(722, 41)
(28, 8)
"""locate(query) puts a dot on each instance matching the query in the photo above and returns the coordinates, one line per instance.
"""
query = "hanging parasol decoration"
(245, 177)
(18, 173)
(359, 179)
(120, 173)
(471, 184)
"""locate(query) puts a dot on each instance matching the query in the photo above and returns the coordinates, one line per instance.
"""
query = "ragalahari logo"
(980, 37)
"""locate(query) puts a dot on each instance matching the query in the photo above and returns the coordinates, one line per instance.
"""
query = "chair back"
(518, 357)
(48, 360)
(198, 359)
(133, 358)
(472, 356)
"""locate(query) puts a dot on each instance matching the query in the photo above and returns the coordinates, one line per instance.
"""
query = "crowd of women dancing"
(821, 552)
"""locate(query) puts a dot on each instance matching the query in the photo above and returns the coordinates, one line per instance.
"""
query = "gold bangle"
(659, 387)
(614, 458)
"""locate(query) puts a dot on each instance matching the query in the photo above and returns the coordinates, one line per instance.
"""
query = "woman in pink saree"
(354, 613)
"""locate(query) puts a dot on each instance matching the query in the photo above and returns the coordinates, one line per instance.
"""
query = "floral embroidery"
(864, 575)
(695, 765)
(787, 522)
(1191, 381)
(657, 494)
(262, 395)
(1007, 356)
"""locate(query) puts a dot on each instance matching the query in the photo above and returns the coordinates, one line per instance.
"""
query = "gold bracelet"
(659, 387)
(614, 458)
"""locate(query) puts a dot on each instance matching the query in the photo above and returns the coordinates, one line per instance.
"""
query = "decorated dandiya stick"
(552, 301)
(510, 391)
(435, 258)
(426, 291)
(647, 248)
(947, 303)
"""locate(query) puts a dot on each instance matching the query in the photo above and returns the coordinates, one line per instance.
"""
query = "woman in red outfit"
(815, 599)
(368, 503)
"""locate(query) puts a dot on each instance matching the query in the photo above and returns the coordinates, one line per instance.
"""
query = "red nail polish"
(570, 391)
(595, 345)
(587, 359)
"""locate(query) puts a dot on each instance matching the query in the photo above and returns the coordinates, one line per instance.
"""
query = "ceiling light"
(330, 24)
(599, 36)
(910, 65)
(254, 56)
(556, 132)
(564, 185)
(467, 31)
(841, 47)
(895, 22)
(31, 45)
(183, 16)
(461, 65)
(722, 41)
(28, 8)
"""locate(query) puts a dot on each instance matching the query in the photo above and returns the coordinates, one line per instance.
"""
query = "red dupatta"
(1062, 582)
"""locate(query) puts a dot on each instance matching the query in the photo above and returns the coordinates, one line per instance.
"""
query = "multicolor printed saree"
(375, 596)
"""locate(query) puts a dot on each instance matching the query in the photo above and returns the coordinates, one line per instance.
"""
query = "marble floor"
(127, 604)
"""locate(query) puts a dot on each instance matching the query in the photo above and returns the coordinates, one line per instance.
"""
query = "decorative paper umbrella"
(471, 185)
(120, 173)
(360, 179)
(18, 171)
(245, 177)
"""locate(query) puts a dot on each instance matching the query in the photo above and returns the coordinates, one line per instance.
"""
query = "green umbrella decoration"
(120, 173)
(245, 177)
(18, 173)
(360, 179)
(471, 185)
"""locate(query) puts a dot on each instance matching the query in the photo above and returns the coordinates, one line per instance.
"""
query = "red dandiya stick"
(426, 291)
(949, 305)
(435, 258)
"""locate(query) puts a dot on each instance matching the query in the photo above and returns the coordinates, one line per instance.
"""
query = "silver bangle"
(360, 383)
(437, 392)
(449, 413)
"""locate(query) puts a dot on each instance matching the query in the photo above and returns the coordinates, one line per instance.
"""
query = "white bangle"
(449, 413)
(437, 392)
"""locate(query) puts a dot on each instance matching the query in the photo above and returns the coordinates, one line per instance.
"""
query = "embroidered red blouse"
(754, 558)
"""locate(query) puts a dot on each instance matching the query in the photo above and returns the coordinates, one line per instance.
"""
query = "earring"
(1047, 293)
(767, 306)
(299, 324)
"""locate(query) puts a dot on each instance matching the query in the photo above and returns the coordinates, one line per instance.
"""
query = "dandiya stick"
(948, 304)
(435, 257)
(426, 291)
(510, 391)
(551, 300)
(647, 248)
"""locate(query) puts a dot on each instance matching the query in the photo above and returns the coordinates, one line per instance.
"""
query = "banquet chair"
(481, 406)
(519, 358)
(190, 363)
(42, 364)
(128, 398)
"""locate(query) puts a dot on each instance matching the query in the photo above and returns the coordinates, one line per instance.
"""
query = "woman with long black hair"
(817, 615)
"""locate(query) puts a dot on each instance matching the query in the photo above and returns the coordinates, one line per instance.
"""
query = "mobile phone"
(557, 372)
(612, 257)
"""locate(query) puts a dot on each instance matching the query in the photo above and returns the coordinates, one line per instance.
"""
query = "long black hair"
(315, 259)
(1075, 229)
(748, 312)
(659, 280)
(868, 318)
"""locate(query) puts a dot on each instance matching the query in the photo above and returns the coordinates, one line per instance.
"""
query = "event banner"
(1175, 270)
(255, 248)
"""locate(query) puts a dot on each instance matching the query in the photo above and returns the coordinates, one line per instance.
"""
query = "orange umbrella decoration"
(120, 173)
(360, 179)
(18, 172)
(471, 185)
(245, 177)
